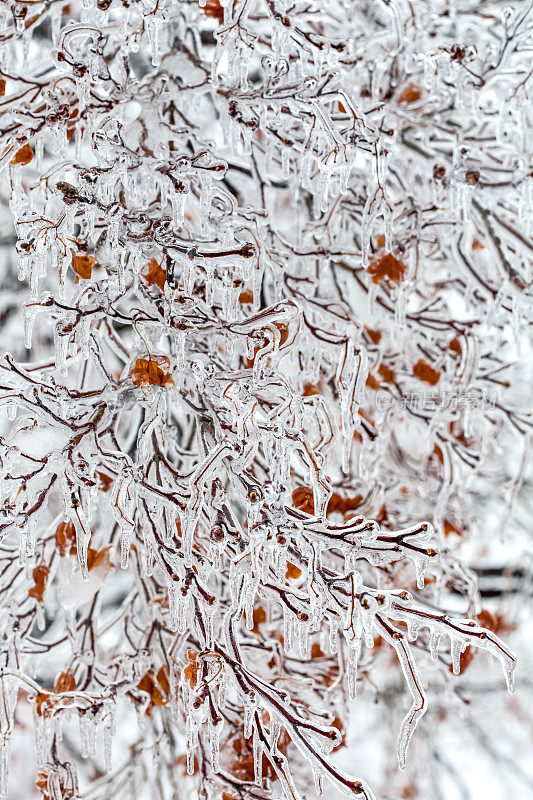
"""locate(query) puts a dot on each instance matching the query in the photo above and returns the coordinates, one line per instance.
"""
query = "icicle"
(318, 776)
(5, 755)
(287, 630)
(215, 731)
(258, 759)
(457, 647)
(173, 605)
(354, 648)
(434, 642)
(250, 705)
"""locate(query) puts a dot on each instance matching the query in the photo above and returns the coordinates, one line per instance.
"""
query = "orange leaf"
(190, 673)
(40, 699)
(450, 528)
(373, 383)
(387, 374)
(302, 498)
(492, 622)
(425, 372)
(410, 94)
(40, 576)
(310, 389)
(66, 538)
(155, 275)
(316, 651)
(465, 659)
(292, 571)
(455, 346)
(181, 762)
(82, 264)
(105, 481)
(23, 156)
(65, 682)
(374, 335)
(386, 267)
(100, 560)
(258, 618)
(162, 679)
(157, 694)
(343, 504)
(2, 87)
(284, 331)
(438, 453)
(150, 372)
(214, 10)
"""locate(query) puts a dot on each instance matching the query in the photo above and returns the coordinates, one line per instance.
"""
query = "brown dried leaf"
(386, 267)
(65, 682)
(316, 651)
(214, 10)
(409, 94)
(66, 538)
(41, 698)
(105, 482)
(190, 673)
(374, 335)
(155, 275)
(311, 389)
(82, 264)
(23, 156)
(151, 685)
(373, 383)
(425, 372)
(258, 618)
(181, 762)
(40, 576)
(455, 346)
(100, 560)
(466, 659)
(493, 622)
(450, 528)
(292, 571)
(387, 374)
(302, 498)
(148, 371)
